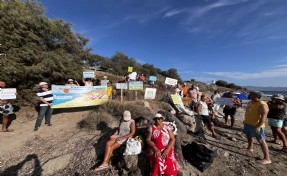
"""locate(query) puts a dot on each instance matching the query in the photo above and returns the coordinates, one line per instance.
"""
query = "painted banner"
(152, 78)
(78, 96)
(89, 74)
(170, 81)
(104, 82)
(130, 69)
(150, 93)
(135, 85)
(224, 101)
(121, 85)
(175, 99)
(8, 93)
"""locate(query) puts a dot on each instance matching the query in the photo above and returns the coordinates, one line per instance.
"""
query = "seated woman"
(160, 140)
(126, 130)
(202, 110)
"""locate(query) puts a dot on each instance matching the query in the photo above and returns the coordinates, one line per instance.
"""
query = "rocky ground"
(68, 149)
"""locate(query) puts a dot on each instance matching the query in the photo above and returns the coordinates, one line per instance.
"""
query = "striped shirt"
(47, 95)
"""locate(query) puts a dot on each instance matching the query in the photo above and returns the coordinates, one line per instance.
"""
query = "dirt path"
(23, 131)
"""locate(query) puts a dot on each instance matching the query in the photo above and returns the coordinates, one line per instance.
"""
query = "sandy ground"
(63, 149)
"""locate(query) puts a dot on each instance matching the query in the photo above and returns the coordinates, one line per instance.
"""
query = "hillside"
(74, 144)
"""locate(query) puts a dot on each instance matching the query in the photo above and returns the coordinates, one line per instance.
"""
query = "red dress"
(159, 166)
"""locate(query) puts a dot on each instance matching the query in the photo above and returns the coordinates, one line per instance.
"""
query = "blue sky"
(239, 41)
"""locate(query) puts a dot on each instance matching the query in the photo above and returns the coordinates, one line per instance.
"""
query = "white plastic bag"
(133, 147)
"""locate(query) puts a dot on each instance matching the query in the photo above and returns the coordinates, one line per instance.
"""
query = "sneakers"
(49, 124)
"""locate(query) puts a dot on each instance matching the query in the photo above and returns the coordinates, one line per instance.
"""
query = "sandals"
(8, 130)
(100, 168)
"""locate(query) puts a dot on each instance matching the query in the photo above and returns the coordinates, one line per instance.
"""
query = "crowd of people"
(160, 138)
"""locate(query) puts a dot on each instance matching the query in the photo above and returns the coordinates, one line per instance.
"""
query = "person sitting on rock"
(126, 130)
(202, 111)
(160, 140)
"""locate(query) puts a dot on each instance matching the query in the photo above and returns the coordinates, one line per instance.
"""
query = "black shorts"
(206, 119)
(230, 111)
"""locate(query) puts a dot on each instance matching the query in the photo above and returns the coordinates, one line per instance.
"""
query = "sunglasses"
(157, 118)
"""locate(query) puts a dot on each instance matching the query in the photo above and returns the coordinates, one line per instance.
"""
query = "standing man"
(5, 109)
(254, 124)
(230, 110)
(45, 102)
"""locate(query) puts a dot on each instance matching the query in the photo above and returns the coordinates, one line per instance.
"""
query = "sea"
(270, 93)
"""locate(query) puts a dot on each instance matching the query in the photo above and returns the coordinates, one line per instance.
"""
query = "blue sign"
(152, 78)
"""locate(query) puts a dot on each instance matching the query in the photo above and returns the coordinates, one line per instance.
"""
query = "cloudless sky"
(239, 41)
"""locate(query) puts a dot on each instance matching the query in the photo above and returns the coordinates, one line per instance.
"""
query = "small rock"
(226, 154)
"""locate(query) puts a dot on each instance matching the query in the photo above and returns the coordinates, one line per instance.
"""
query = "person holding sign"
(71, 82)
(87, 81)
(6, 109)
(230, 110)
(45, 102)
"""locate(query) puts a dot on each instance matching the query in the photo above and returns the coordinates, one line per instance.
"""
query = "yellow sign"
(130, 69)
(175, 99)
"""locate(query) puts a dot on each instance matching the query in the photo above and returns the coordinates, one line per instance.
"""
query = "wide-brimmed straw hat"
(278, 96)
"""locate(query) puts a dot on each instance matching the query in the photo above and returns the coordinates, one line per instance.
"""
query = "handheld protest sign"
(130, 69)
(170, 81)
(8, 93)
(175, 99)
(104, 82)
(224, 101)
(150, 93)
(88, 74)
(152, 78)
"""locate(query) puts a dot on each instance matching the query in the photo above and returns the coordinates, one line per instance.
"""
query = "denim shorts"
(285, 123)
(249, 130)
(275, 122)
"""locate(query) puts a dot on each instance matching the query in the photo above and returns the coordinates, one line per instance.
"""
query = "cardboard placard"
(121, 85)
(150, 93)
(8, 93)
(135, 85)
(88, 74)
(175, 99)
(170, 81)
(152, 78)
(224, 101)
(130, 69)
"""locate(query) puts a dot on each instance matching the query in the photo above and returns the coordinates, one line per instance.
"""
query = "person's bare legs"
(281, 136)
(284, 130)
(110, 147)
(265, 150)
(275, 135)
(211, 127)
(250, 141)
(225, 118)
(4, 122)
(232, 120)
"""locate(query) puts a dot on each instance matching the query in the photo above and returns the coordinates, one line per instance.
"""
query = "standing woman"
(160, 140)
(126, 130)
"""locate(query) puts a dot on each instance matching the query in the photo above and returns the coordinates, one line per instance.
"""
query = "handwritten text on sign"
(7, 93)
(170, 81)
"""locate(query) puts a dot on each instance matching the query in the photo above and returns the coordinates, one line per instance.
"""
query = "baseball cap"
(70, 80)
(42, 83)
(278, 96)
(127, 115)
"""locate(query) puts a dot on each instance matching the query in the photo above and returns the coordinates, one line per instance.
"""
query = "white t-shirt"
(215, 97)
(204, 109)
